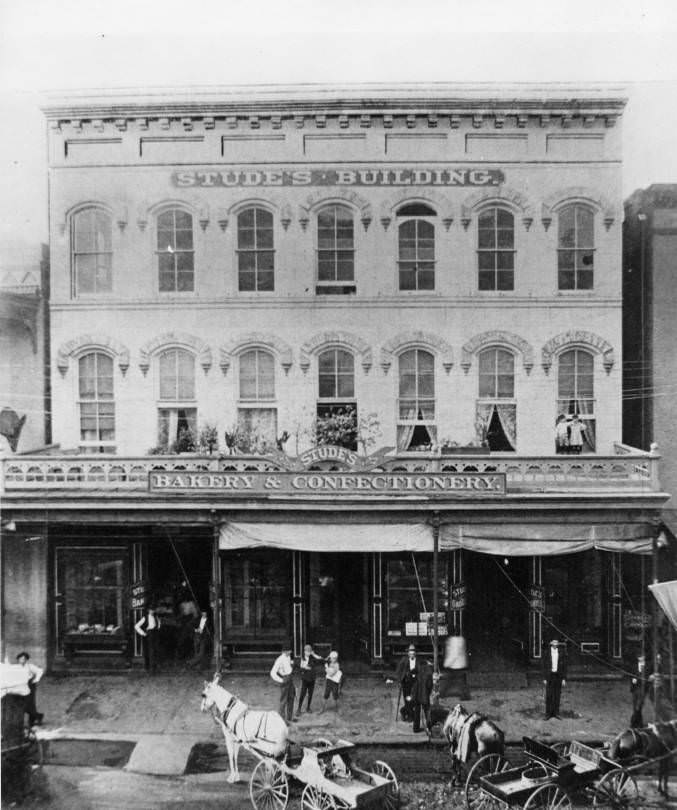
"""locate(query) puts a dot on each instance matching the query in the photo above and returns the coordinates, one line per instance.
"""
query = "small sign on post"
(139, 595)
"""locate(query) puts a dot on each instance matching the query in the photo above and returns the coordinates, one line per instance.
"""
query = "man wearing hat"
(281, 672)
(554, 676)
(411, 676)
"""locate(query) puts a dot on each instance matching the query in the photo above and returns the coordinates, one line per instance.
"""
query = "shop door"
(338, 615)
(257, 591)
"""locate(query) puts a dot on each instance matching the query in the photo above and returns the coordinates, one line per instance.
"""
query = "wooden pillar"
(436, 554)
(376, 606)
(140, 581)
(615, 607)
(216, 599)
(536, 608)
(298, 601)
(458, 595)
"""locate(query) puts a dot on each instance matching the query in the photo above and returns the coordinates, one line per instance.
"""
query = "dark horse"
(657, 741)
(469, 735)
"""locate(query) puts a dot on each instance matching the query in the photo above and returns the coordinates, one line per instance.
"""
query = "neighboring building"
(431, 270)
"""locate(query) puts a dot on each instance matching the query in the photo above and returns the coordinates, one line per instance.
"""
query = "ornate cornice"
(573, 338)
(343, 339)
(564, 196)
(442, 204)
(268, 341)
(501, 194)
(330, 194)
(497, 338)
(414, 339)
(93, 342)
(175, 339)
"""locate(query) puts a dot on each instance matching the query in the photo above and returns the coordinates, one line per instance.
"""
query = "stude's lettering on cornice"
(227, 176)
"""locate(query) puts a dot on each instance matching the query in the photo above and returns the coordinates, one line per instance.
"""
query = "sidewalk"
(140, 708)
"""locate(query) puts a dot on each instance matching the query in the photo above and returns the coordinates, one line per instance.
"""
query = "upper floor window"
(336, 407)
(496, 410)
(575, 248)
(257, 375)
(91, 252)
(575, 427)
(496, 249)
(96, 403)
(335, 250)
(175, 251)
(416, 428)
(177, 416)
(416, 243)
(255, 251)
(256, 414)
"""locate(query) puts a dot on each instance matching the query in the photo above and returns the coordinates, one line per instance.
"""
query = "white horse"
(264, 731)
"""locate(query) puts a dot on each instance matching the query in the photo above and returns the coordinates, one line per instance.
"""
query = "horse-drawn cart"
(331, 780)
(553, 778)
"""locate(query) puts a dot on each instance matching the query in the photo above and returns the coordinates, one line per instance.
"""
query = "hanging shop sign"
(459, 597)
(457, 485)
(536, 594)
(139, 595)
(234, 176)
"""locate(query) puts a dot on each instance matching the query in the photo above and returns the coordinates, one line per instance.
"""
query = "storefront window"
(91, 588)
(410, 593)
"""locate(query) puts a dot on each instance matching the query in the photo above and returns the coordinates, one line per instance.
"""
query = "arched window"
(96, 402)
(575, 248)
(336, 405)
(576, 401)
(416, 428)
(496, 409)
(91, 252)
(255, 251)
(335, 250)
(496, 249)
(257, 413)
(177, 414)
(175, 251)
(416, 243)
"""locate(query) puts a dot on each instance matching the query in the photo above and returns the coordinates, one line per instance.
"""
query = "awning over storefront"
(328, 536)
(666, 596)
(520, 540)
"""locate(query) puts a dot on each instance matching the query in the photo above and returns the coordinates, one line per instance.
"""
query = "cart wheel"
(314, 798)
(548, 797)
(562, 748)
(475, 797)
(268, 786)
(391, 799)
(616, 789)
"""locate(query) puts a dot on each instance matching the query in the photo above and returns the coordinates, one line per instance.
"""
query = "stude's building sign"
(329, 483)
(229, 176)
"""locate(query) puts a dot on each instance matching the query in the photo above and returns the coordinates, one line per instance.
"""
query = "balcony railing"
(627, 469)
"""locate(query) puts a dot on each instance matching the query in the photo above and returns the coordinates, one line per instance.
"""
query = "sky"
(74, 44)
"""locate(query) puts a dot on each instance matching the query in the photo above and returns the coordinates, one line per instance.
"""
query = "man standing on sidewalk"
(281, 673)
(554, 677)
(34, 674)
(148, 627)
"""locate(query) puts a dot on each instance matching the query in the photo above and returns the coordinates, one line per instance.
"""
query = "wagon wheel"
(616, 789)
(548, 797)
(268, 786)
(562, 748)
(314, 798)
(391, 798)
(475, 798)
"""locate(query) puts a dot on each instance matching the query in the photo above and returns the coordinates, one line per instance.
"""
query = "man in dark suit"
(410, 672)
(640, 686)
(554, 676)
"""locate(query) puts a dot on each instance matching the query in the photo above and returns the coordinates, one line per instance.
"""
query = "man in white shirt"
(148, 627)
(34, 674)
(281, 672)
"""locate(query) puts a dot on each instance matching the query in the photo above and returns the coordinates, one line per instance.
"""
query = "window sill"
(336, 289)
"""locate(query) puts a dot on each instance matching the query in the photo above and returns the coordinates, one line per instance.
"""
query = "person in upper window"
(561, 434)
(575, 429)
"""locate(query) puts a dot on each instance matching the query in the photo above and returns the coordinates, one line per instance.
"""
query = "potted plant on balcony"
(451, 448)
(185, 442)
(208, 440)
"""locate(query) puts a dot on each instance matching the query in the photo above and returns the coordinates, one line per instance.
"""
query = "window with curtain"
(336, 421)
(416, 247)
(175, 252)
(257, 413)
(575, 248)
(176, 409)
(496, 408)
(96, 403)
(91, 252)
(576, 400)
(255, 250)
(496, 249)
(335, 250)
(416, 429)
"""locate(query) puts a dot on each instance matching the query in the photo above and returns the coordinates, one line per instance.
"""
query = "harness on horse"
(259, 734)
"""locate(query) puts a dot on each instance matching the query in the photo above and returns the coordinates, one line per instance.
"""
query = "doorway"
(338, 616)
(497, 615)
